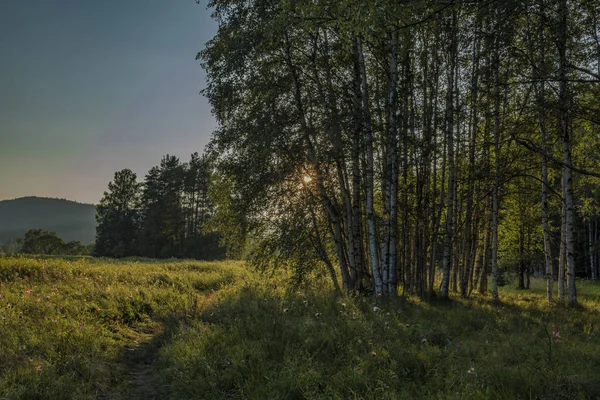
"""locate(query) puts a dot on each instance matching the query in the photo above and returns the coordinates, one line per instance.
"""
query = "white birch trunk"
(369, 172)
(449, 234)
(566, 139)
(391, 192)
(496, 66)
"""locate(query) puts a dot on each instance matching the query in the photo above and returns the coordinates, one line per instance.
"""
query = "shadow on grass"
(253, 341)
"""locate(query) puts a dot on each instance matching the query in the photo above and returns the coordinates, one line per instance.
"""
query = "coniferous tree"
(118, 216)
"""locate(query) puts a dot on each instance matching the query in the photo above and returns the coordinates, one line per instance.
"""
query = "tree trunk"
(483, 283)
(369, 172)
(521, 258)
(391, 175)
(591, 249)
(468, 234)
(541, 106)
(496, 73)
(594, 251)
(563, 116)
(563, 251)
(449, 228)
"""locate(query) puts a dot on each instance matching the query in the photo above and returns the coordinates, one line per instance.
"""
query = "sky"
(89, 87)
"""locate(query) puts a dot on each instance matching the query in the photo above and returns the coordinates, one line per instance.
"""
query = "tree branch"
(584, 70)
(530, 146)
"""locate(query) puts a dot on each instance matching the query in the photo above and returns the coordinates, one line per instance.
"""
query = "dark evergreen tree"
(118, 216)
(163, 224)
(160, 218)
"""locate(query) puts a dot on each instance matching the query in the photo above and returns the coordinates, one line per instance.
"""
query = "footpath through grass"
(99, 329)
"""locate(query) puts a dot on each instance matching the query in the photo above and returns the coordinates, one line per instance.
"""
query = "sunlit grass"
(216, 330)
(65, 323)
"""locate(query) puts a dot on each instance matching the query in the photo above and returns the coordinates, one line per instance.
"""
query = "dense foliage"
(38, 241)
(161, 217)
(388, 141)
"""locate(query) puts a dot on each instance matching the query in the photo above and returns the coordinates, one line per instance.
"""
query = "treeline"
(161, 217)
(389, 142)
(39, 241)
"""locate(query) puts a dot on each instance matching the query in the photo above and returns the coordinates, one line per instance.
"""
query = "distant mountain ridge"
(69, 219)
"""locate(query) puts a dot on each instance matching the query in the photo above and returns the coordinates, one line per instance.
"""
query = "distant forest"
(162, 216)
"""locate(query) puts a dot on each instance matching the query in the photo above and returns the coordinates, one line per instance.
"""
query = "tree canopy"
(162, 217)
(385, 141)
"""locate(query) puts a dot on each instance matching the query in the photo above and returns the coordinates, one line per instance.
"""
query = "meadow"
(85, 328)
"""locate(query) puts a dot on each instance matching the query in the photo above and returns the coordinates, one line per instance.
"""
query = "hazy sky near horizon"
(90, 87)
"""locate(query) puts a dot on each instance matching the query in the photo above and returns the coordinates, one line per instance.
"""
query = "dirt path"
(138, 363)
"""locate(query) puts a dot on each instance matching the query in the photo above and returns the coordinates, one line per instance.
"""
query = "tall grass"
(65, 323)
(254, 341)
(216, 330)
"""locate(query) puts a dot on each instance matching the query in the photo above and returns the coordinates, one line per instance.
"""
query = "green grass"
(186, 329)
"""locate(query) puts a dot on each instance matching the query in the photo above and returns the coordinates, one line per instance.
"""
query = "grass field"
(101, 329)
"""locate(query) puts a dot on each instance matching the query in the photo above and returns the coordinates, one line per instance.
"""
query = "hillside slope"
(69, 219)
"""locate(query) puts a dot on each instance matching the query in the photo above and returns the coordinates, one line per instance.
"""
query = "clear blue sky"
(89, 87)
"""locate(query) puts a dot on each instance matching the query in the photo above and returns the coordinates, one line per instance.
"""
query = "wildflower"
(28, 292)
(556, 336)
(373, 354)
(376, 309)
(38, 300)
(471, 370)
(344, 305)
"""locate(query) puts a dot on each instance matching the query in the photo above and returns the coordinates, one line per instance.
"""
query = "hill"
(69, 219)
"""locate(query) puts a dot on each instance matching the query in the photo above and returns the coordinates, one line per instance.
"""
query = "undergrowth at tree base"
(86, 328)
